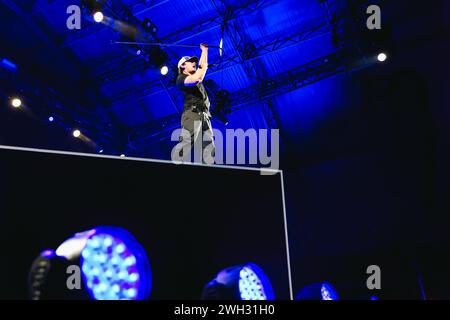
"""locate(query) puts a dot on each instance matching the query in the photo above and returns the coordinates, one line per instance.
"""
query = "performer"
(196, 118)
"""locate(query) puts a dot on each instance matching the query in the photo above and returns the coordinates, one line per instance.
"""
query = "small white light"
(98, 17)
(164, 70)
(382, 57)
(101, 151)
(16, 102)
(108, 242)
(129, 261)
(134, 277)
(131, 292)
(76, 133)
(122, 155)
(120, 248)
(51, 119)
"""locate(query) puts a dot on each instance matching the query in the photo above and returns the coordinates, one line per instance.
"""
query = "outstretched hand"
(203, 46)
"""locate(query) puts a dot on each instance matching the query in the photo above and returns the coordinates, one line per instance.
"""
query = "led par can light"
(114, 266)
(244, 282)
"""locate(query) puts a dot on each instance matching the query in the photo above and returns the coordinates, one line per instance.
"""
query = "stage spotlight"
(122, 155)
(328, 292)
(164, 70)
(113, 264)
(47, 279)
(98, 16)
(318, 291)
(100, 151)
(94, 9)
(51, 119)
(16, 102)
(245, 282)
(382, 57)
(76, 133)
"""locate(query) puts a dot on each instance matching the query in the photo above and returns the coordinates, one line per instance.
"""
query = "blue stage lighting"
(318, 291)
(48, 253)
(245, 282)
(252, 282)
(115, 266)
(7, 64)
(328, 293)
(98, 16)
(76, 133)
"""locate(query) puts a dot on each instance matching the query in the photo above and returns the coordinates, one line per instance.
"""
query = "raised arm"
(199, 75)
(203, 63)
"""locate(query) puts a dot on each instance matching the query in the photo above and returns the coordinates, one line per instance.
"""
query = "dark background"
(190, 229)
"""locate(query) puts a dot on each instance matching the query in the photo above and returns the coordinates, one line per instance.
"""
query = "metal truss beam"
(312, 72)
(334, 20)
(304, 75)
(123, 13)
(114, 69)
(259, 49)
